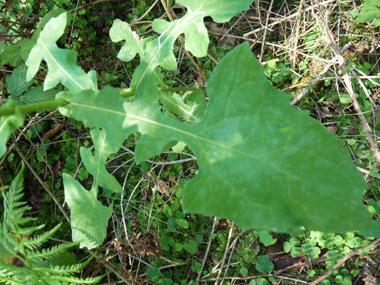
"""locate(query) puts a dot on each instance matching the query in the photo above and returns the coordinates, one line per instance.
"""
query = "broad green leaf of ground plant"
(262, 163)
(10, 54)
(89, 218)
(37, 94)
(96, 164)
(160, 51)
(16, 82)
(220, 10)
(369, 11)
(61, 62)
(9, 124)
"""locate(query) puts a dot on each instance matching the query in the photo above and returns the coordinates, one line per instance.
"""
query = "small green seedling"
(264, 264)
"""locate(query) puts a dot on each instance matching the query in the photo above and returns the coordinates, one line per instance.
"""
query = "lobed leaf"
(89, 218)
(61, 62)
(96, 164)
(133, 44)
(159, 52)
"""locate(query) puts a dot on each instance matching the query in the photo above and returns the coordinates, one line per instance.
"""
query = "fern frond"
(66, 270)
(28, 231)
(13, 207)
(18, 212)
(90, 280)
(9, 241)
(19, 275)
(37, 241)
(11, 270)
(39, 256)
(8, 280)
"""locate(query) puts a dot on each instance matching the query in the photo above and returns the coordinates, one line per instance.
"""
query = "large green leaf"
(262, 163)
(89, 218)
(61, 62)
(9, 124)
(96, 164)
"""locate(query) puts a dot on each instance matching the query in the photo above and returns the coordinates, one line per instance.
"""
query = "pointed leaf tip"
(264, 164)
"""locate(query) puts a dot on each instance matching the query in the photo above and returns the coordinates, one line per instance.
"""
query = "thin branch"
(225, 252)
(265, 32)
(297, 32)
(208, 248)
(19, 151)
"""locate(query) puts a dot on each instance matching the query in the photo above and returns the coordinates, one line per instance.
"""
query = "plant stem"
(179, 89)
(125, 92)
(30, 108)
(33, 107)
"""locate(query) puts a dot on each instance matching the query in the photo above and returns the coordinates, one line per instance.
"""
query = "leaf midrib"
(123, 115)
(160, 46)
(60, 66)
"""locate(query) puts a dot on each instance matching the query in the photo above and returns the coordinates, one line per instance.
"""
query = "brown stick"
(301, 264)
